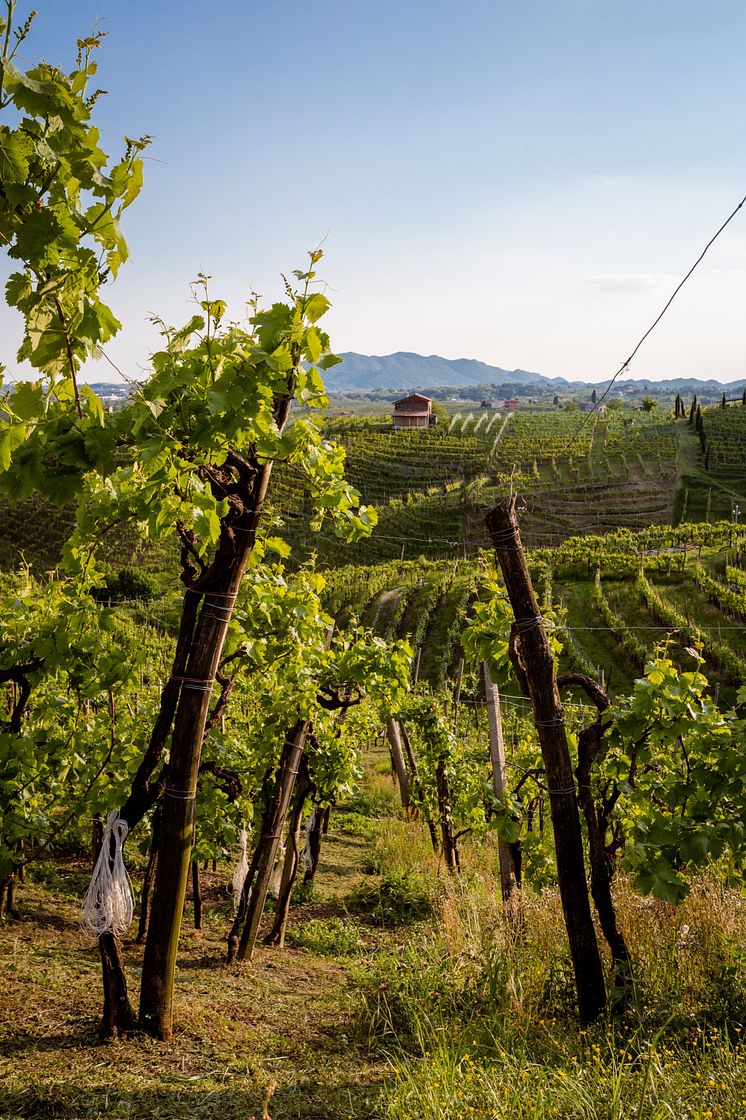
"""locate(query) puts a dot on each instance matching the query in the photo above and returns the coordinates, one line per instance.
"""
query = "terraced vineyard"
(432, 488)
(386, 465)
(622, 597)
(713, 484)
(599, 504)
(724, 432)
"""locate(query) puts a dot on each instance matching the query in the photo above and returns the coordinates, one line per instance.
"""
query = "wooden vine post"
(537, 663)
(265, 854)
(393, 732)
(303, 787)
(508, 871)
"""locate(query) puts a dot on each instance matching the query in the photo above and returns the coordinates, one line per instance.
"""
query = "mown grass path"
(280, 1029)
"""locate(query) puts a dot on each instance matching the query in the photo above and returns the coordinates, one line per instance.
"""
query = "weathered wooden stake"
(271, 832)
(508, 874)
(397, 757)
(276, 935)
(537, 667)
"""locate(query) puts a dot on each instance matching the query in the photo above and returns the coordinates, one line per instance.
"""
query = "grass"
(402, 993)
(329, 937)
(285, 1020)
(622, 1075)
(479, 1016)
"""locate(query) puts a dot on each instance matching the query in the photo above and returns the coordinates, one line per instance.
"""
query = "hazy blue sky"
(522, 183)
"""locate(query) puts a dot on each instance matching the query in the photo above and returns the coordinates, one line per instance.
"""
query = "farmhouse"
(414, 411)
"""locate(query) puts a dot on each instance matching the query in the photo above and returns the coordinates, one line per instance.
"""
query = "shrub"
(394, 898)
(127, 583)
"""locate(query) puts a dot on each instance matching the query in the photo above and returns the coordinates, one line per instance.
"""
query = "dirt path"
(287, 1019)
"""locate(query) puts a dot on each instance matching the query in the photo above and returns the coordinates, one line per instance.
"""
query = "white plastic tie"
(109, 903)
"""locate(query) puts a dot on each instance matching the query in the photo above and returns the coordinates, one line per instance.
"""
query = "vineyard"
(344, 771)
(431, 489)
(622, 596)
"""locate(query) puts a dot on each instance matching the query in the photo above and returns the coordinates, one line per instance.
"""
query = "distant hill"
(404, 371)
(689, 385)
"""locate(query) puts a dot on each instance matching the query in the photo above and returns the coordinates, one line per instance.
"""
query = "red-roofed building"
(414, 411)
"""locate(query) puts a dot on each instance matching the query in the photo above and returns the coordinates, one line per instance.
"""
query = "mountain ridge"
(406, 370)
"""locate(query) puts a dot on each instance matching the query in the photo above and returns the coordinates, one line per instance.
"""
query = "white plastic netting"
(241, 869)
(275, 880)
(109, 903)
(306, 856)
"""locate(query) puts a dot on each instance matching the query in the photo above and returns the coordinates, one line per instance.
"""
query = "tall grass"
(616, 1078)
(478, 1010)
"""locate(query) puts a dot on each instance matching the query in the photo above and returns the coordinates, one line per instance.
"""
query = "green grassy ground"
(402, 994)
(286, 1020)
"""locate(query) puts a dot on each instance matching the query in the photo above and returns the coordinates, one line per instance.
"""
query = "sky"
(522, 183)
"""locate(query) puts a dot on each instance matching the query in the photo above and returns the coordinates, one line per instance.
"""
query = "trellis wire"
(654, 324)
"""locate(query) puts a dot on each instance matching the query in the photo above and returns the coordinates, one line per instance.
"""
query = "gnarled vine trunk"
(597, 818)
(419, 791)
(245, 483)
(450, 842)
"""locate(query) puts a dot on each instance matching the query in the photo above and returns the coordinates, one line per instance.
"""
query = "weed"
(394, 898)
(328, 937)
